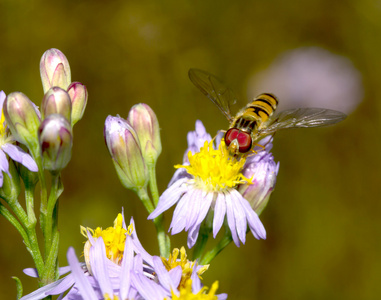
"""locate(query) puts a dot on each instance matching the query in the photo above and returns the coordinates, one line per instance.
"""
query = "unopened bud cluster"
(58, 88)
(49, 132)
(134, 145)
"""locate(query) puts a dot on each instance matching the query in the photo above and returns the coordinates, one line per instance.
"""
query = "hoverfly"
(257, 119)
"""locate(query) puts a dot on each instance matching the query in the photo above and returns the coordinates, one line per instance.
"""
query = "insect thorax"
(255, 113)
(245, 123)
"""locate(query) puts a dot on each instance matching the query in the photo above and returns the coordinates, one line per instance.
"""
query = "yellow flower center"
(186, 292)
(186, 265)
(5, 137)
(114, 238)
(215, 170)
(107, 297)
(3, 125)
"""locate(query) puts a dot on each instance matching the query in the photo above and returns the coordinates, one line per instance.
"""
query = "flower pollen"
(107, 297)
(5, 137)
(187, 294)
(215, 170)
(186, 265)
(114, 238)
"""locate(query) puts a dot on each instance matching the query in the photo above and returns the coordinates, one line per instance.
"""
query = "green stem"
(226, 240)
(49, 222)
(36, 253)
(44, 193)
(163, 240)
(29, 199)
(153, 185)
(143, 195)
(201, 243)
(48, 275)
(31, 226)
(51, 230)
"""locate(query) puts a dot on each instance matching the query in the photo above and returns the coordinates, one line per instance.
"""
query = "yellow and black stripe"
(263, 106)
(256, 112)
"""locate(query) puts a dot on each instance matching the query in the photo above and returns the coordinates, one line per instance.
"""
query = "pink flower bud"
(54, 70)
(78, 95)
(23, 118)
(56, 101)
(144, 121)
(263, 171)
(56, 141)
(124, 147)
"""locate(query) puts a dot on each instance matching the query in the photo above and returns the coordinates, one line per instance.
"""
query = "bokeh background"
(323, 220)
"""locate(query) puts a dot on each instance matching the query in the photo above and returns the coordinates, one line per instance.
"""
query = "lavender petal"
(168, 198)
(193, 235)
(253, 220)
(239, 215)
(231, 219)
(4, 165)
(179, 215)
(19, 155)
(219, 214)
(193, 208)
(81, 281)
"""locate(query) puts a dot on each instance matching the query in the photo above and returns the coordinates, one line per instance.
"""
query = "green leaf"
(18, 287)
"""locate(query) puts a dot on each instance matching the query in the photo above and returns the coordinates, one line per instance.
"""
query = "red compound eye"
(231, 135)
(243, 138)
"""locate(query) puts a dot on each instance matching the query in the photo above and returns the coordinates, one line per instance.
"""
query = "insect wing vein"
(303, 117)
(214, 89)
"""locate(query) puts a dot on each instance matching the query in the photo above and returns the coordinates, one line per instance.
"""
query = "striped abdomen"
(255, 113)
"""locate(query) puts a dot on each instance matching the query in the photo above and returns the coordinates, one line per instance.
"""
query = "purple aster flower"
(127, 271)
(114, 259)
(208, 181)
(7, 147)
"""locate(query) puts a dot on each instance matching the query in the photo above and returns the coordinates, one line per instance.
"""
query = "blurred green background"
(323, 220)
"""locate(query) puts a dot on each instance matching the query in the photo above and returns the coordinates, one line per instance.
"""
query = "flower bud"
(263, 171)
(144, 121)
(56, 101)
(54, 70)
(56, 140)
(124, 147)
(23, 118)
(78, 95)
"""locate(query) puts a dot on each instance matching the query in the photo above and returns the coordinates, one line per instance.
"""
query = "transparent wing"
(214, 89)
(300, 118)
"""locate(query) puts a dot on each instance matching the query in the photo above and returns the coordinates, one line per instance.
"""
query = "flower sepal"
(10, 190)
(30, 178)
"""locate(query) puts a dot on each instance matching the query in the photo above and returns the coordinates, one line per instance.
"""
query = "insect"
(257, 120)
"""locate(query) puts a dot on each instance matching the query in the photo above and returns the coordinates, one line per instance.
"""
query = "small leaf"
(18, 287)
